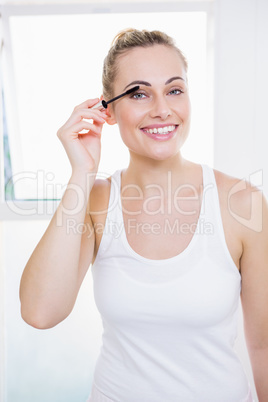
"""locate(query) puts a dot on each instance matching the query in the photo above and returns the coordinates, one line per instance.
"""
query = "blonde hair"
(127, 40)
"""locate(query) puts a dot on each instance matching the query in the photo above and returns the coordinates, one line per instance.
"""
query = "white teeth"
(161, 130)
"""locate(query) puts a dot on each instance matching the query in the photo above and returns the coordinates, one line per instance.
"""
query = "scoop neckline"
(146, 260)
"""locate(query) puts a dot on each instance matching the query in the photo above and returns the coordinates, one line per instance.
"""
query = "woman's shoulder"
(240, 189)
(99, 195)
(240, 199)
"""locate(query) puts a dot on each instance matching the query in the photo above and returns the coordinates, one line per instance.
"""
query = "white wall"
(241, 87)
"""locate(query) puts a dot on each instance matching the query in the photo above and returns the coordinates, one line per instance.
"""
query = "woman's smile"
(160, 132)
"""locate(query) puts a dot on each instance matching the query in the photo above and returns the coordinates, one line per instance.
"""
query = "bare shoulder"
(98, 209)
(99, 196)
(242, 204)
(227, 184)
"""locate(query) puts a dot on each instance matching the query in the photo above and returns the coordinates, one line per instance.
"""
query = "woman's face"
(154, 121)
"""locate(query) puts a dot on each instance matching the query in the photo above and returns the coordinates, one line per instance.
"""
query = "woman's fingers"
(87, 127)
(83, 119)
(80, 114)
(80, 135)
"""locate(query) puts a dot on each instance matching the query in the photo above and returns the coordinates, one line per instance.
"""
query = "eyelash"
(133, 95)
(177, 89)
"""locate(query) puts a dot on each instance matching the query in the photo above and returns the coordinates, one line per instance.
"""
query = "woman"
(169, 252)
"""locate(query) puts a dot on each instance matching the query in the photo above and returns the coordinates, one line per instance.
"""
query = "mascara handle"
(100, 105)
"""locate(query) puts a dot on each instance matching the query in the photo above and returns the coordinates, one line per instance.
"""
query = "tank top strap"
(211, 205)
(114, 214)
(208, 175)
(208, 184)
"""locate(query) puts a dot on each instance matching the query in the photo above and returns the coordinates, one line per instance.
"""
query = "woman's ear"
(110, 115)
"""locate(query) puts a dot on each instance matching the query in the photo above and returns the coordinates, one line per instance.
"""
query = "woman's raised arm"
(56, 268)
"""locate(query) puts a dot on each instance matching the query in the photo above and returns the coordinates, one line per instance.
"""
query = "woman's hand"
(83, 149)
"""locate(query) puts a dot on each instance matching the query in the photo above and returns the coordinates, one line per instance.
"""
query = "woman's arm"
(55, 270)
(254, 295)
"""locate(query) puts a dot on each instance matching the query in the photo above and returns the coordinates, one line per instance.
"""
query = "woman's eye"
(138, 95)
(176, 92)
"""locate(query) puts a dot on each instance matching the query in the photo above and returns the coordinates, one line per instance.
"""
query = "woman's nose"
(160, 108)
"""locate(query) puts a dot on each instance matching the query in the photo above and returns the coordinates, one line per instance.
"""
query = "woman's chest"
(159, 228)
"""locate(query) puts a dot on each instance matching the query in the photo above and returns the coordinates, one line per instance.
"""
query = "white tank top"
(169, 325)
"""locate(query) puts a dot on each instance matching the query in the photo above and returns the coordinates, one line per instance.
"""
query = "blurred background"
(51, 59)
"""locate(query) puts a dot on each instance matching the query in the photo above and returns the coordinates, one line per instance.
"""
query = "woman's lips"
(160, 132)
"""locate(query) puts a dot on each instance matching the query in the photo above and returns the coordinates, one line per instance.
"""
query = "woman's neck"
(144, 172)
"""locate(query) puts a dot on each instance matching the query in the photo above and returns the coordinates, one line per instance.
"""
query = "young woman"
(171, 243)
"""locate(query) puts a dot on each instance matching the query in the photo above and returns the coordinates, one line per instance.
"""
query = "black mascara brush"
(103, 104)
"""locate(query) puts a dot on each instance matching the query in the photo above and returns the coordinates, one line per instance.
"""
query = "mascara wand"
(103, 104)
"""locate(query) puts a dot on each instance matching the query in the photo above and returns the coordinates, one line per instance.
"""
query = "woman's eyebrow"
(138, 82)
(173, 79)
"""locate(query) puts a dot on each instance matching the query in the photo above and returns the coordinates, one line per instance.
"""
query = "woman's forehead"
(147, 63)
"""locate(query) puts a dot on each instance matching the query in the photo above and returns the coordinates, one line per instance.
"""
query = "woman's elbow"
(40, 320)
